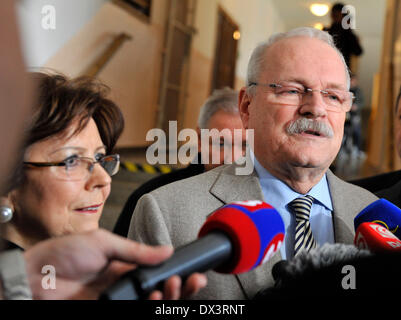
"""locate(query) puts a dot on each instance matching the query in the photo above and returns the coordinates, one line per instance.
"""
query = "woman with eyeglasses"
(63, 180)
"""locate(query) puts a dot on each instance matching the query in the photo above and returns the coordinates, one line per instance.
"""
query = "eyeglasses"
(335, 100)
(79, 168)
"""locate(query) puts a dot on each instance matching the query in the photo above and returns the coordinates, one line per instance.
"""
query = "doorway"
(226, 52)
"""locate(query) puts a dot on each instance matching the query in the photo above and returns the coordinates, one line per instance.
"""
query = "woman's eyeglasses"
(79, 168)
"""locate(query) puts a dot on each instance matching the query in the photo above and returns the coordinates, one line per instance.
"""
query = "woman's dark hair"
(59, 103)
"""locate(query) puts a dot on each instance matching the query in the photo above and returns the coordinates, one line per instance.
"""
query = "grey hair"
(221, 100)
(258, 55)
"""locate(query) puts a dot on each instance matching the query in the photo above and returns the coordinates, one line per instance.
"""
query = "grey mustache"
(303, 124)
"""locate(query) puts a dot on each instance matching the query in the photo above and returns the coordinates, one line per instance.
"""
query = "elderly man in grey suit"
(295, 100)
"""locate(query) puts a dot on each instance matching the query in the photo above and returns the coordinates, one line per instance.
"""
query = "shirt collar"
(284, 194)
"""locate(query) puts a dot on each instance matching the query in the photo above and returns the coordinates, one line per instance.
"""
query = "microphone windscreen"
(320, 257)
(255, 229)
(382, 212)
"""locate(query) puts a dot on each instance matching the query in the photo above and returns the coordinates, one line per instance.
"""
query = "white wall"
(40, 44)
(257, 20)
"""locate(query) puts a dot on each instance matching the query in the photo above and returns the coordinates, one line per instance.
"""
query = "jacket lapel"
(342, 201)
(228, 188)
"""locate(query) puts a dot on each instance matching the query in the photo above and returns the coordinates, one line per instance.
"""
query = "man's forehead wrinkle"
(281, 54)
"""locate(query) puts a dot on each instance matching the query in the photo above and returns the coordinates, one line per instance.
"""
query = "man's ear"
(243, 104)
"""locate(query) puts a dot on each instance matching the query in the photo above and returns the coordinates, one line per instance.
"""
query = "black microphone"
(236, 238)
(335, 270)
(318, 258)
(317, 272)
(198, 256)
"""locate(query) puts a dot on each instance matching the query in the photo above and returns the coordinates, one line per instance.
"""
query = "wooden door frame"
(218, 40)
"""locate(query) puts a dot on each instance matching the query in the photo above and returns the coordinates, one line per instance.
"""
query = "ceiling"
(369, 14)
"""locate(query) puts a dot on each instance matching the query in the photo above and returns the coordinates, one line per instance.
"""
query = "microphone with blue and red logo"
(376, 238)
(377, 227)
(382, 212)
(234, 239)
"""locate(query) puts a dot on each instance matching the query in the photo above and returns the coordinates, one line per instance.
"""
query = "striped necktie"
(303, 233)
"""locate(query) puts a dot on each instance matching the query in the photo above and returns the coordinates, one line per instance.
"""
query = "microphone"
(317, 258)
(234, 239)
(314, 273)
(382, 212)
(321, 270)
(376, 238)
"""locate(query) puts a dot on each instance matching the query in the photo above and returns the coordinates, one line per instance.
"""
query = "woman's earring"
(6, 214)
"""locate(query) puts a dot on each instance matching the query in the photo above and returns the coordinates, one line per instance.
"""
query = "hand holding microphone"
(235, 238)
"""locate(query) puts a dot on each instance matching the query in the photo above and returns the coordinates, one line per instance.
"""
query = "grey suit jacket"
(174, 214)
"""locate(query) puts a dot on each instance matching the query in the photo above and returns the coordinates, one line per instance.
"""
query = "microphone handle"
(205, 253)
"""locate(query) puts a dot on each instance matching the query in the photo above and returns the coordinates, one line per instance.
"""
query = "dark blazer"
(386, 185)
(8, 245)
(392, 194)
(123, 222)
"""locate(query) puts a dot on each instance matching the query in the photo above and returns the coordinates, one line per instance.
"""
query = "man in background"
(344, 38)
